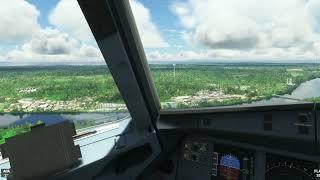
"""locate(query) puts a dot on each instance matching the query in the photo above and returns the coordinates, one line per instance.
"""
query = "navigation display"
(278, 168)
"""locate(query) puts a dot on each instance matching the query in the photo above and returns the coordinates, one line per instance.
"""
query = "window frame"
(113, 26)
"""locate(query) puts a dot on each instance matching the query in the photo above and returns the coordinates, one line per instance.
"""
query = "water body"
(8, 119)
(308, 89)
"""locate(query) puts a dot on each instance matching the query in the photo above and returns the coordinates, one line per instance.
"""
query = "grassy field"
(91, 85)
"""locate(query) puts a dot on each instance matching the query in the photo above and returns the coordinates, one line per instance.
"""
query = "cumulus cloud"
(68, 17)
(75, 23)
(89, 51)
(149, 33)
(18, 20)
(25, 41)
(254, 28)
(52, 45)
(51, 42)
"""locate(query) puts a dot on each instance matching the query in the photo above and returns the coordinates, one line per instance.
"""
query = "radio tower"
(174, 72)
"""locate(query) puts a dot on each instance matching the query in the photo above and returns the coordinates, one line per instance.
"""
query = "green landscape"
(84, 87)
(30, 89)
(239, 83)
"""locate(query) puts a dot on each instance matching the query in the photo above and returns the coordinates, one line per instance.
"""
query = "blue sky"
(44, 7)
(251, 30)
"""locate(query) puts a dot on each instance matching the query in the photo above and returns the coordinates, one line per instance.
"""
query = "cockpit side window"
(51, 69)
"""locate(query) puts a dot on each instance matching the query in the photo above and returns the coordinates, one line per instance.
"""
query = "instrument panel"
(279, 167)
(203, 159)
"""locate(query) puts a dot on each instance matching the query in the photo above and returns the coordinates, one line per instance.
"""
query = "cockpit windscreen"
(219, 53)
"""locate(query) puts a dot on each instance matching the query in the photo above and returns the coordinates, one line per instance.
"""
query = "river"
(308, 89)
(7, 119)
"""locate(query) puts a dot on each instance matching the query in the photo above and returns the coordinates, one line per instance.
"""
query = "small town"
(206, 96)
(77, 105)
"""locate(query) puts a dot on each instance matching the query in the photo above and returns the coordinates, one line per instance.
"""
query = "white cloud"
(252, 29)
(89, 51)
(18, 20)
(149, 33)
(68, 17)
(52, 45)
(24, 41)
(50, 42)
(74, 23)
